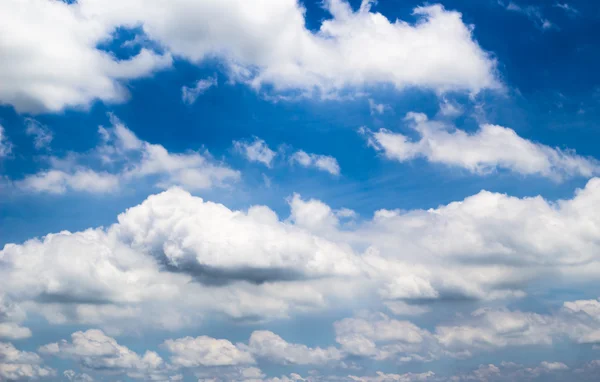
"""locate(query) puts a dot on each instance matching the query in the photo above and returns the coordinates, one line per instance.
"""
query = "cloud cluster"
(60, 62)
(488, 149)
(16, 365)
(121, 158)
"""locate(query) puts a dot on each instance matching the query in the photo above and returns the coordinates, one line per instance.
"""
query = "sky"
(299, 190)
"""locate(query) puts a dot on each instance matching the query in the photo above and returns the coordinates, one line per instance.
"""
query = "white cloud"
(379, 336)
(206, 351)
(11, 315)
(264, 45)
(50, 58)
(256, 151)
(96, 351)
(449, 109)
(5, 145)
(408, 377)
(200, 258)
(42, 136)
(321, 162)
(189, 95)
(16, 365)
(266, 344)
(490, 148)
(59, 182)
(122, 158)
(75, 377)
(377, 108)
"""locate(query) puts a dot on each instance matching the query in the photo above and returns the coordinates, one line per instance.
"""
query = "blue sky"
(313, 191)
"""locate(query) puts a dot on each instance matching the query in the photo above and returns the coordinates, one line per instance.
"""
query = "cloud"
(351, 49)
(206, 351)
(266, 344)
(122, 158)
(567, 8)
(51, 60)
(5, 145)
(200, 258)
(532, 12)
(321, 162)
(73, 376)
(59, 182)
(488, 149)
(217, 244)
(95, 350)
(16, 365)
(380, 337)
(190, 94)
(42, 136)
(11, 315)
(377, 108)
(256, 151)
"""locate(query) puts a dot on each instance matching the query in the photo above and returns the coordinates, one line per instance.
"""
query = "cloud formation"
(353, 48)
(488, 149)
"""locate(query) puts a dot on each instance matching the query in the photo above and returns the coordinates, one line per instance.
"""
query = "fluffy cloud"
(253, 264)
(266, 344)
(322, 162)
(256, 151)
(10, 317)
(265, 44)
(16, 365)
(380, 337)
(189, 95)
(96, 351)
(122, 158)
(51, 60)
(206, 351)
(486, 150)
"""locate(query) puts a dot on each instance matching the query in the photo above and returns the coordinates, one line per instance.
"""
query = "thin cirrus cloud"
(254, 42)
(5, 145)
(488, 149)
(42, 135)
(134, 159)
(190, 94)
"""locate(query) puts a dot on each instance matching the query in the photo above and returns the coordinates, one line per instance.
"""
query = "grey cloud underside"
(213, 276)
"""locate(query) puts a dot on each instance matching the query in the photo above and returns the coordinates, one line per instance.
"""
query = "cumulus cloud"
(206, 351)
(95, 350)
(353, 48)
(266, 344)
(380, 337)
(321, 162)
(16, 365)
(51, 60)
(490, 148)
(189, 95)
(256, 151)
(11, 315)
(122, 158)
(200, 258)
